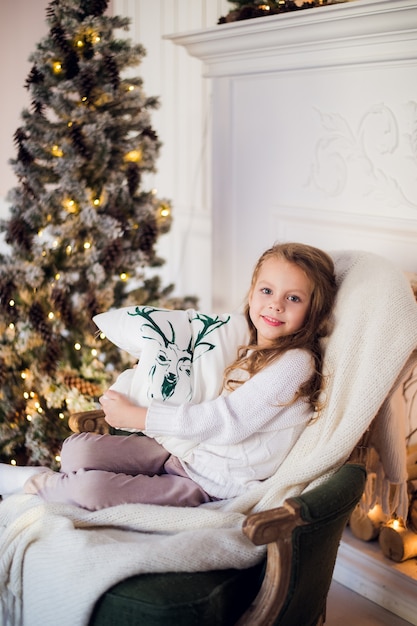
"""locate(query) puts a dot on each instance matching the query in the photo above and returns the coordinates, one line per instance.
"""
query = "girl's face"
(279, 300)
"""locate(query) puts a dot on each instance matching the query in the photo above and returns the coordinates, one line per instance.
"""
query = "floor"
(347, 608)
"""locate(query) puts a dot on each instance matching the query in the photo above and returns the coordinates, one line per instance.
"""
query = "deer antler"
(146, 312)
(209, 325)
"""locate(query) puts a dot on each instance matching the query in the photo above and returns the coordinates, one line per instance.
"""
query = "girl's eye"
(266, 290)
(294, 298)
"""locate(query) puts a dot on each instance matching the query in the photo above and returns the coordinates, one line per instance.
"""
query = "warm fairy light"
(57, 276)
(87, 245)
(165, 210)
(94, 352)
(11, 325)
(39, 409)
(13, 462)
(44, 253)
(26, 395)
(77, 346)
(265, 7)
(131, 88)
(69, 124)
(56, 151)
(57, 67)
(51, 315)
(96, 201)
(61, 417)
(68, 250)
(23, 375)
(32, 394)
(80, 43)
(102, 336)
(29, 418)
(55, 244)
(123, 276)
(84, 99)
(396, 524)
(133, 156)
(70, 205)
(57, 458)
(12, 302)
(37, 405)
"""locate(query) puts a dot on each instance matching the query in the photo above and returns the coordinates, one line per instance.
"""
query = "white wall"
(182, 122)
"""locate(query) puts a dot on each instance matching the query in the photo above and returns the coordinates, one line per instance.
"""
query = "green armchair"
(289, 588)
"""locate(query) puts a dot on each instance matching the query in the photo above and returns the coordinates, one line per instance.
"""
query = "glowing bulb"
(55, 244)
(165, 211)
(58, 458)
(23, 375)
(11, 303)
(80, 43)
(26, 395)
(11, 325)
(94, 352)
(68, 250)
(57, 67)
(131, 88)
(13, 462)
(57, 276)
(56, 151)
(39, 409)
(102, 336)
(77, 346)
(84, 99)
(87, 245)
(123, 276)
(29, 418)
(396, 524)
(70, 205)
(51, 315)
(133, 156)
(61, 417)
(96, 201)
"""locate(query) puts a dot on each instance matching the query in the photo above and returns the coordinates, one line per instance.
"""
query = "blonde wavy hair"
(319, 268)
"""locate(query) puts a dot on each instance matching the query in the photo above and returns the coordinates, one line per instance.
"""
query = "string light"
(57, 276)
(134, 156)
(57, 67)
(11, 303)
(77, 346)
(51, 315)
(87, 245)
(56, 151)
(70, 205)
(123, 276)
(13, 462)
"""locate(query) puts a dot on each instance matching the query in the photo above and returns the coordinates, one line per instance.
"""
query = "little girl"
(270, 394)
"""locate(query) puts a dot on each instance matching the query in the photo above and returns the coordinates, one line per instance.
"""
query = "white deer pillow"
(182, 354)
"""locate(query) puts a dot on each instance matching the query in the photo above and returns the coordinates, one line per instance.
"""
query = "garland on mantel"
(260, 8)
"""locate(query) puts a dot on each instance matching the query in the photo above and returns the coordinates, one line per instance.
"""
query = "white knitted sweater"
(56, 560)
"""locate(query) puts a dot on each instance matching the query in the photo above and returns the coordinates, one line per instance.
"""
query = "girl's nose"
(277, 305)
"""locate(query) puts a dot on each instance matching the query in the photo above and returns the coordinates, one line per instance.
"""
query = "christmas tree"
(81, 233)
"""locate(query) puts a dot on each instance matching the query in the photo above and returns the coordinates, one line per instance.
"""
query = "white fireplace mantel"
(314, 119)
(372, 30)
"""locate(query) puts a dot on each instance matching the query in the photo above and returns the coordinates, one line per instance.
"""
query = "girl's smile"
(279, 300)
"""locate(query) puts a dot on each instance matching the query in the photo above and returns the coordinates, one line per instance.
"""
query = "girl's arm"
(120, 412)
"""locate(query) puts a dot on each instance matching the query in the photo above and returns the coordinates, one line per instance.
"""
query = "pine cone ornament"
(86, 387)
(112, 71)
(147, 235)
(78, 140)
(61, 302)
(38, 321)
(111, 255)
(23, 153)
(93, 7)
(133, 177)
(17, 232)
(49, 363)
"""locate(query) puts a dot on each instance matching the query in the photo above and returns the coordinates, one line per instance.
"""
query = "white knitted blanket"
(56, 560)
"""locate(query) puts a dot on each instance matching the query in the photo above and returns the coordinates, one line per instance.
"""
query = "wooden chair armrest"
(272, 528)
(88, 422)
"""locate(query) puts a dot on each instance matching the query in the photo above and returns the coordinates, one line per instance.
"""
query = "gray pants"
(98, 471)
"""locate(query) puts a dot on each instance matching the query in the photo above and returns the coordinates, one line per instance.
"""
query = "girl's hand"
(120, 412)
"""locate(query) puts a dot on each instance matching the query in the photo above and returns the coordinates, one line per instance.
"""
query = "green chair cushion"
(180, 599)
